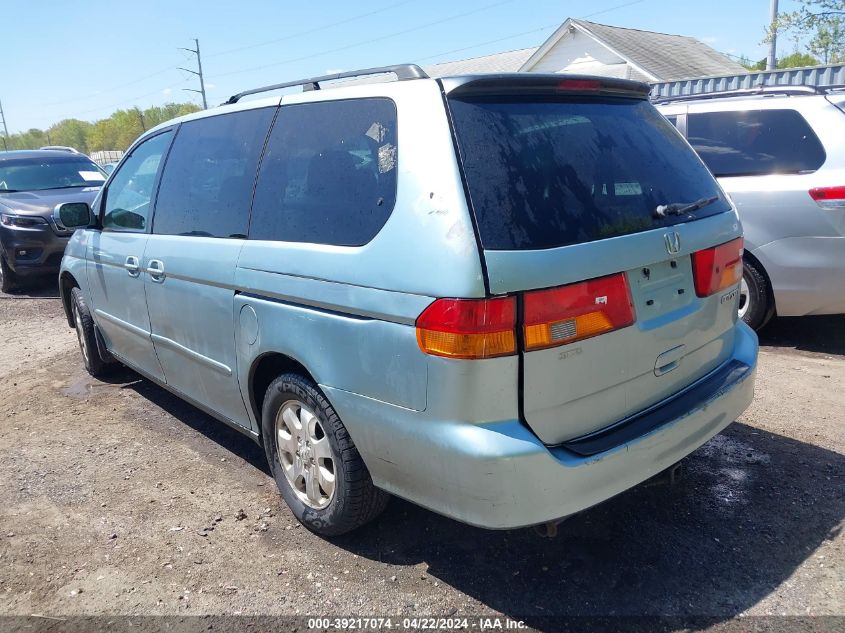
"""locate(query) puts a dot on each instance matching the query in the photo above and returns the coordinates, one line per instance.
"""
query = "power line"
(119, 103)
(496, 41)
(226, 52)
(327, 52)
(529, 32)
(198, 74)
(609, 9)
(97, 94)
(369, 41)
(311, 31)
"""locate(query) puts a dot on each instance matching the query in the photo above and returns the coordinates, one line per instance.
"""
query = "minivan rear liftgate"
(618, 252)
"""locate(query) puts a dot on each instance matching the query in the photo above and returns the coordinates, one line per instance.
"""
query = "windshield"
(555, 172)
(51, 172)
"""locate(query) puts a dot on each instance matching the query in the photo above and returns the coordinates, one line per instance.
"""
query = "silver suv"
(505, 298)
(779, 154)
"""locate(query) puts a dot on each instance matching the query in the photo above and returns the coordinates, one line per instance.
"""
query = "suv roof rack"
(746, 92)
(402, 72)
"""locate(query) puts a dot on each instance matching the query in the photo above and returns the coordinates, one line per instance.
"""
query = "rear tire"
(8, 279)
(316, 466)
(86, 333)
(755, 303)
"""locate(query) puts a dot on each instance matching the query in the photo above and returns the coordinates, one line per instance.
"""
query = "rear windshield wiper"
(679, 208)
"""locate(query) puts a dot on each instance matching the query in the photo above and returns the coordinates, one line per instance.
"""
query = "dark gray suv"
(32, 184)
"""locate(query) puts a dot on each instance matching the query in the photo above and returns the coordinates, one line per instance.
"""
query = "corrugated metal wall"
(833, 75)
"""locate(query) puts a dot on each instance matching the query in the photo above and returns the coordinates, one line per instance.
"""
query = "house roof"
(663, 56)
(507, 62)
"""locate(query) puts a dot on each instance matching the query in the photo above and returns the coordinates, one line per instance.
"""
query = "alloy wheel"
(304, 454)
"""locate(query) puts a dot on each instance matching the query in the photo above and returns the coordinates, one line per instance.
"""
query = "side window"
(673, 119)
(206, 186)
(127, 199)
(329, 173)
(755, 142)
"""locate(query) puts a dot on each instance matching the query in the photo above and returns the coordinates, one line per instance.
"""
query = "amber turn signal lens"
(468, 328)
(571, 313)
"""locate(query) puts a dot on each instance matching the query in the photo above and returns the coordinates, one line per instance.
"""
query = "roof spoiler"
(543, 84)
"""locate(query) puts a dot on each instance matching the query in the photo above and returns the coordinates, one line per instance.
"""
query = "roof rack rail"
(745, 92)
(402, 72)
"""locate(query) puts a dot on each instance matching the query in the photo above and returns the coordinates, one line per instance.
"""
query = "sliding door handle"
(155, 267)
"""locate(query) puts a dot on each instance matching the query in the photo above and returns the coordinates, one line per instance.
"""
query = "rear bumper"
(807, 274)
(500, 476)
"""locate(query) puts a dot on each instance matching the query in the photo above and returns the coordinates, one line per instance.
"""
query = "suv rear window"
(555, 172)
(755, 142)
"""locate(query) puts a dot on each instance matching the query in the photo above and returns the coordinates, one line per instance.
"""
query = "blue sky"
(85, 59)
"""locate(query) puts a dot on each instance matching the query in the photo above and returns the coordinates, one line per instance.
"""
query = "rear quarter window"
(755, 142)
(329, 173)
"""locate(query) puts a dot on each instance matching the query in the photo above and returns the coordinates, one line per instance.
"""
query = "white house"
(585, 47)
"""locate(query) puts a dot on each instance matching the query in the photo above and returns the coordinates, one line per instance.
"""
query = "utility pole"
(201, 91)
(5, 129)
(771, 61)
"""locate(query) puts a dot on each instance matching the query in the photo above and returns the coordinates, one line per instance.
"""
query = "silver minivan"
(779, 154)
(505, 298)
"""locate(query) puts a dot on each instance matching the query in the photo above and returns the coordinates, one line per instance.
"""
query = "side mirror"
(73, 215)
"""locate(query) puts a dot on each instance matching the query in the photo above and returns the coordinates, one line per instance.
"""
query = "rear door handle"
(156, 269)
(132, 266)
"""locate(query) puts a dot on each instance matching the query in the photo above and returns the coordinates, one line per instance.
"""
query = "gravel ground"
(119, 498)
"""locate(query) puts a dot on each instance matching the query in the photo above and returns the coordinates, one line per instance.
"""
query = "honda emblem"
(673, 242)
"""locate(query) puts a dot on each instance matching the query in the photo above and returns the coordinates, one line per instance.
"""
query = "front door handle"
(156, 269)
(132, 266)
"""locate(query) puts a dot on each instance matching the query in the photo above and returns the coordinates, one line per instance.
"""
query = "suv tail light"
(468, 328)
(829, 197)
(570, 313)
(717, 268)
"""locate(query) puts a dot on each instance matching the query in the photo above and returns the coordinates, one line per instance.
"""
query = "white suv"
(779, 154)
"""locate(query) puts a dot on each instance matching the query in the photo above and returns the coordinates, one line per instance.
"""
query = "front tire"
(755, 304)
(8, 279)
(86, 334)
(316, 466)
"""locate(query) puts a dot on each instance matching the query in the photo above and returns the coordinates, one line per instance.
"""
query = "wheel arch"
(264, 370)
(67, 282)
(758, 265)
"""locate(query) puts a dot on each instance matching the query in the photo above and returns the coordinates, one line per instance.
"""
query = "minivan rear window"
(755, 142)
(561, 171)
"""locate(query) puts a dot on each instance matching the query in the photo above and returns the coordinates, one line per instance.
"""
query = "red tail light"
(570, 313)
(468, 328)
(717, 268)
(829, 197)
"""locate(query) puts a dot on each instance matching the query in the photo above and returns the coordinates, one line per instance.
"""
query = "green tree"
(828, 41)
(116, 132)
(822, 22)
(810, 15)
(70, 132)
(796, 60)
